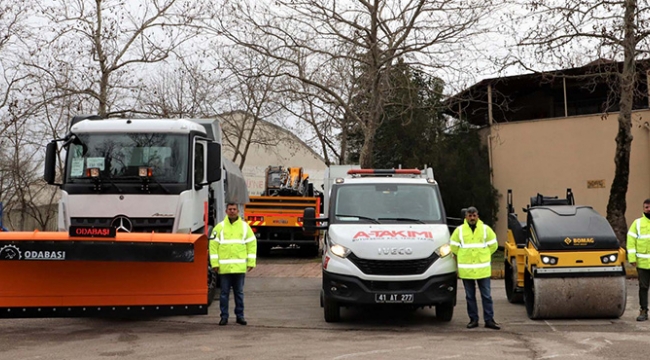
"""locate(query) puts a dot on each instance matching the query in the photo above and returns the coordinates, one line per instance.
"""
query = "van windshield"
(387, 202)
(119, 156)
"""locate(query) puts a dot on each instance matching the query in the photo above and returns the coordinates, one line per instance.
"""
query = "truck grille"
(393, 267)
(158, 225)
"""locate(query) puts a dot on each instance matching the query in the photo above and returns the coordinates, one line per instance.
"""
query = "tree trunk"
(617, 204)
(365, 156)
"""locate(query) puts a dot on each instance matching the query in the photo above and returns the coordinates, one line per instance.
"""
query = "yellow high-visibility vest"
(638, 243)
(233, 247)
(473, 250)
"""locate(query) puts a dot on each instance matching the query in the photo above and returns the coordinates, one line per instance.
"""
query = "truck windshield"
(119, 156)
(387, 202)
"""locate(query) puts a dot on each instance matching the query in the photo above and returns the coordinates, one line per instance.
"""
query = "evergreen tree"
(414, 133)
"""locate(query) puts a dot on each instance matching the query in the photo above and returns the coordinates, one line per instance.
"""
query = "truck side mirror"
(50, 163)
(214, 162)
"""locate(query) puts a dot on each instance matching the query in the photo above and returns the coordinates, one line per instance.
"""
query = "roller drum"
(576, 297)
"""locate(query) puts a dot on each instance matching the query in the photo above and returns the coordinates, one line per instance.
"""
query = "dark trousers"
(644, 284)
(236, 281)
(470, 296)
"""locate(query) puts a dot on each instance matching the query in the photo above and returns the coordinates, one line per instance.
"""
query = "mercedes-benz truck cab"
(386, 242)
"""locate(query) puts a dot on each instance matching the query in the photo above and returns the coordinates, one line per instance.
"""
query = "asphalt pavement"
(285, 321)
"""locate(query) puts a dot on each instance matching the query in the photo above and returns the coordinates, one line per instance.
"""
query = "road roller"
(564, 261)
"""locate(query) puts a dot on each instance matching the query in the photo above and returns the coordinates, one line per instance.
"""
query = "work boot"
(643, 315)
(492, 325)
(241, 321)
(472, 324)
(223, 321)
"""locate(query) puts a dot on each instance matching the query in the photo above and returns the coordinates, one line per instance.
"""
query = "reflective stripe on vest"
(473, 266)
(479, 246)
(638, 231)
(242, 241)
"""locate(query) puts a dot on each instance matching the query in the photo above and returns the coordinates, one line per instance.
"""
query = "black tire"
(331, 310)
(322, 295)
(263, 250)
(445, 311)
(213, 284)
(518, 297)
(529, 295)
(510, 278)
(309, 251)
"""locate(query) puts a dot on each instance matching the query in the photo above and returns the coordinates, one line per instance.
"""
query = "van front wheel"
(331, 310)
(445, 311)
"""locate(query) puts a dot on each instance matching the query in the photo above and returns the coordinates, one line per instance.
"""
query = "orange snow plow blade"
(55, 274)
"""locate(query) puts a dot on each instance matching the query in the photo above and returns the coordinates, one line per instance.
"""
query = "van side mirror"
(309, 223)
(309, 219)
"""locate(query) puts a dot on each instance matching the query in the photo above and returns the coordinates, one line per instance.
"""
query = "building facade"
(270, 145)
(552, 131)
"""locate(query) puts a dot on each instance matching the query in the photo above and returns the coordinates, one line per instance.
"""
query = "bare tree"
(314, 38)
(183, 90)
(250, 95)
(617, 30)
(98, 50)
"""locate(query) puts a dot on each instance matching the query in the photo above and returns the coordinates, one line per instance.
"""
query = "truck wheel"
(510, 278)
(331, 310)
(518, 297)
(263, 250)
(309, 250)
(445, 311)
(213, 280)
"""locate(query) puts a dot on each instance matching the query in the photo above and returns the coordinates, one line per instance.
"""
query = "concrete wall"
(548, 156)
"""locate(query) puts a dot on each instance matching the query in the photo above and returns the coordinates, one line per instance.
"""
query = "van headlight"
(340, 251)
(444, 250)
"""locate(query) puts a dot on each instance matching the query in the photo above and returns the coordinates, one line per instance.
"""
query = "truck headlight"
(444, 250)
(340, 251)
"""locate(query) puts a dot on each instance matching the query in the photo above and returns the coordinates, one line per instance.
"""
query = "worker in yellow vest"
(233, 250)
(473, 244)
(638, 252)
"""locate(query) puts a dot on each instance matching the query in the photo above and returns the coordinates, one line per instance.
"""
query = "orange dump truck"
(276, 215)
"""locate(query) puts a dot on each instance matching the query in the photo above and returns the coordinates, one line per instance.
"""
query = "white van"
(386, 242)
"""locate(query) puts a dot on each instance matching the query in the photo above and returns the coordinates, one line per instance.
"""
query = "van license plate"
(394, 298)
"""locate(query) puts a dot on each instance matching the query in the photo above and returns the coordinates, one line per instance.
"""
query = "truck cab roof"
(181, 126)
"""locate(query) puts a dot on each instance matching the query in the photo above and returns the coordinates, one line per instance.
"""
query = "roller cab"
(97, 272)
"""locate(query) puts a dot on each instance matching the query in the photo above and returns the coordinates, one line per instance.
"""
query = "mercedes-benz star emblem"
(122, 224)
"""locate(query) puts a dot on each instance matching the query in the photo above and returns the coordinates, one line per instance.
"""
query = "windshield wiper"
(112, 183)
(97, 181)
(159, 184)
(404, 219)
(373, 220)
